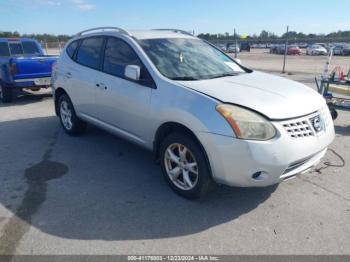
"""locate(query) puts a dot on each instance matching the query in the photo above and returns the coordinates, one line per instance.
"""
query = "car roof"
(138, 34)
(154, 34)
(7, 39)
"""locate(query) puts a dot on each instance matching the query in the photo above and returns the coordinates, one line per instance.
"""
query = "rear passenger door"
(83, 74)
(120, 102)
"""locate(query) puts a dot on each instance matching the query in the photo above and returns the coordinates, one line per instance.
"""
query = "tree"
(264, 34)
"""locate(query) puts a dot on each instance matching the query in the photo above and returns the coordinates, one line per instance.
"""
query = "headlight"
(246, 124)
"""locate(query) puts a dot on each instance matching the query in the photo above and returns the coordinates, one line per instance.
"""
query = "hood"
(272, 96)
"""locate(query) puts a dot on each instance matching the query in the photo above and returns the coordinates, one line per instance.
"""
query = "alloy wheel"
(66, 115)
(181, 166)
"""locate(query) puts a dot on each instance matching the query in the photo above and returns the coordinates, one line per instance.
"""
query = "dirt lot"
(98, 194)
(261, 59)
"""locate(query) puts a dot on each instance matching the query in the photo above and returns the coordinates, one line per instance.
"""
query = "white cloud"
(82, 5)
(56, 3)
(49, 2)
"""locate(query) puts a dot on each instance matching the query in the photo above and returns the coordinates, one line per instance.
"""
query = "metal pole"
(46, 47)
(59, 44)
(236, 43)
(285, 52)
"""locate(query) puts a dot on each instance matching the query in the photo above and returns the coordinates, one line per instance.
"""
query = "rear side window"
(4, 49)
(89, 52)
(71, 48)
(16, 48)
(30, 48)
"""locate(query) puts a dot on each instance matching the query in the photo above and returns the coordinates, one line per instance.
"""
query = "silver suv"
(204, 115)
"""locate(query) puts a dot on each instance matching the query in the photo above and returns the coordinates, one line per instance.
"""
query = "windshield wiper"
(224, 75)
(185, 78)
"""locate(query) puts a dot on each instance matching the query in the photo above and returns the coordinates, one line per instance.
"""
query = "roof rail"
(120, 30)
(175, 31)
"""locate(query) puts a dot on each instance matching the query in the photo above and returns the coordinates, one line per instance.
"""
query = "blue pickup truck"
(23, 64)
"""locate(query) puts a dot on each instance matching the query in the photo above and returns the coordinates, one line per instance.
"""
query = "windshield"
(189, 59)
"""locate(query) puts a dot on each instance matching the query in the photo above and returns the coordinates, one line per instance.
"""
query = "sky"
(202, 16)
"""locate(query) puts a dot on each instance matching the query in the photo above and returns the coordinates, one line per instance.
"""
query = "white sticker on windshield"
(234, 67)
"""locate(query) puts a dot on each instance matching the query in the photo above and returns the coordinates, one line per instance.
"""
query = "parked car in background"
(342, 49)
(293, 50)
(273, 49)
(222, 47)
(280, 50)
(260, 46)
(302, 45)
(233, 48)
(206, 117)
(245, 46)
(326, 46)
(23, 65)
(316, 50)
(277, 49)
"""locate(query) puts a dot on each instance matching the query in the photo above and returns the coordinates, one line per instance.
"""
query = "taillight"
(13, 69)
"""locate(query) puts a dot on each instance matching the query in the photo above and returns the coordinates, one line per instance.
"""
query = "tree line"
(39, 37)
(270, 36)
(263, 36)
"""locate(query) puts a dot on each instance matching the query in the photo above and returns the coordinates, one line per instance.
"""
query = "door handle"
(101, 86)
(69, 75)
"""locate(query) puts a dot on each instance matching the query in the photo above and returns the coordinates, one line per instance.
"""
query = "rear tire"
(6, 93)
(71, 124)
(185, 166)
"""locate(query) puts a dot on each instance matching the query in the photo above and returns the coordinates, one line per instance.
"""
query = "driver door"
(121, 103)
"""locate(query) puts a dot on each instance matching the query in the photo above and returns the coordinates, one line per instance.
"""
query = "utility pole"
(285, 52)
(235, 36)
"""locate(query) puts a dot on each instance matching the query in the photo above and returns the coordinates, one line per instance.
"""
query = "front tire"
(184, 166)
(334, 113)
(71, 124)
(6, 93)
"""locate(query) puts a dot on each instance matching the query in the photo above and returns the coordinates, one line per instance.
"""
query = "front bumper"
(243, 163)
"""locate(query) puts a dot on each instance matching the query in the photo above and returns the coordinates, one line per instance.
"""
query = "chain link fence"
(52, 48)
(268, 42)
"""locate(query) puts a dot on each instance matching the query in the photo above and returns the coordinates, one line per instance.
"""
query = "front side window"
(189, 59)
(117, 56)
(89, 52)
(30, 48)
(16, 48)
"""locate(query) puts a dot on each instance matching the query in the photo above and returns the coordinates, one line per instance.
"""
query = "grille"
(298, 128)
(302, 127)
(296, 165)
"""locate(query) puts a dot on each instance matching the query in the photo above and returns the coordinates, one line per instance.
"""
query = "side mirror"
(133, 72)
